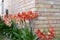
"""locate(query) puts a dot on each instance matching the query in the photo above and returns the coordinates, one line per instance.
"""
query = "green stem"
(30, 22)
(24, 24)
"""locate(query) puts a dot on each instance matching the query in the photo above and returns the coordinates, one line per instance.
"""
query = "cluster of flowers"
(49, 36)
(20, 16)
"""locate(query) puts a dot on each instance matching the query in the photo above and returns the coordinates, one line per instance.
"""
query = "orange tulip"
(32, 15)
(10, 16)
(44, 36)
(39, 35)
(5, 18)
(19, 15)
(38, 31)
(29, 12)
(51, 29)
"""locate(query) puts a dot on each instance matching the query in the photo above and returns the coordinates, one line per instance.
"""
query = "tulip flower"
(38, 31)
(32, 15)
(19, 15)
(35, 15)
(39, 35)
(51, 29)
(29, 12)
(10, 16)
(27, 15)
(44, 36)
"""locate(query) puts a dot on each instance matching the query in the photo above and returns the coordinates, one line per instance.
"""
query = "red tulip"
(29, 12)
(5, 17)
(35, 15)
(23, 13)
(14, 16)
(51, 36)
(38, 31)
(27, 17)
(51, 29)
(10, 16)
(19, 15)
(39, 35)
(23, 16)
(44, 35)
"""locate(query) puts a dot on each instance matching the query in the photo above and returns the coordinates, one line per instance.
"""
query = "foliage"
(13, 33)
(9, 27)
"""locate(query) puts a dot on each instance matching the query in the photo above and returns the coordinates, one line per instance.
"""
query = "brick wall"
(23, 5)
(8, 5)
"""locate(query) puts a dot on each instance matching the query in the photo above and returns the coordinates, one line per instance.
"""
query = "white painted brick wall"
(8, 5)
(23, 5)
